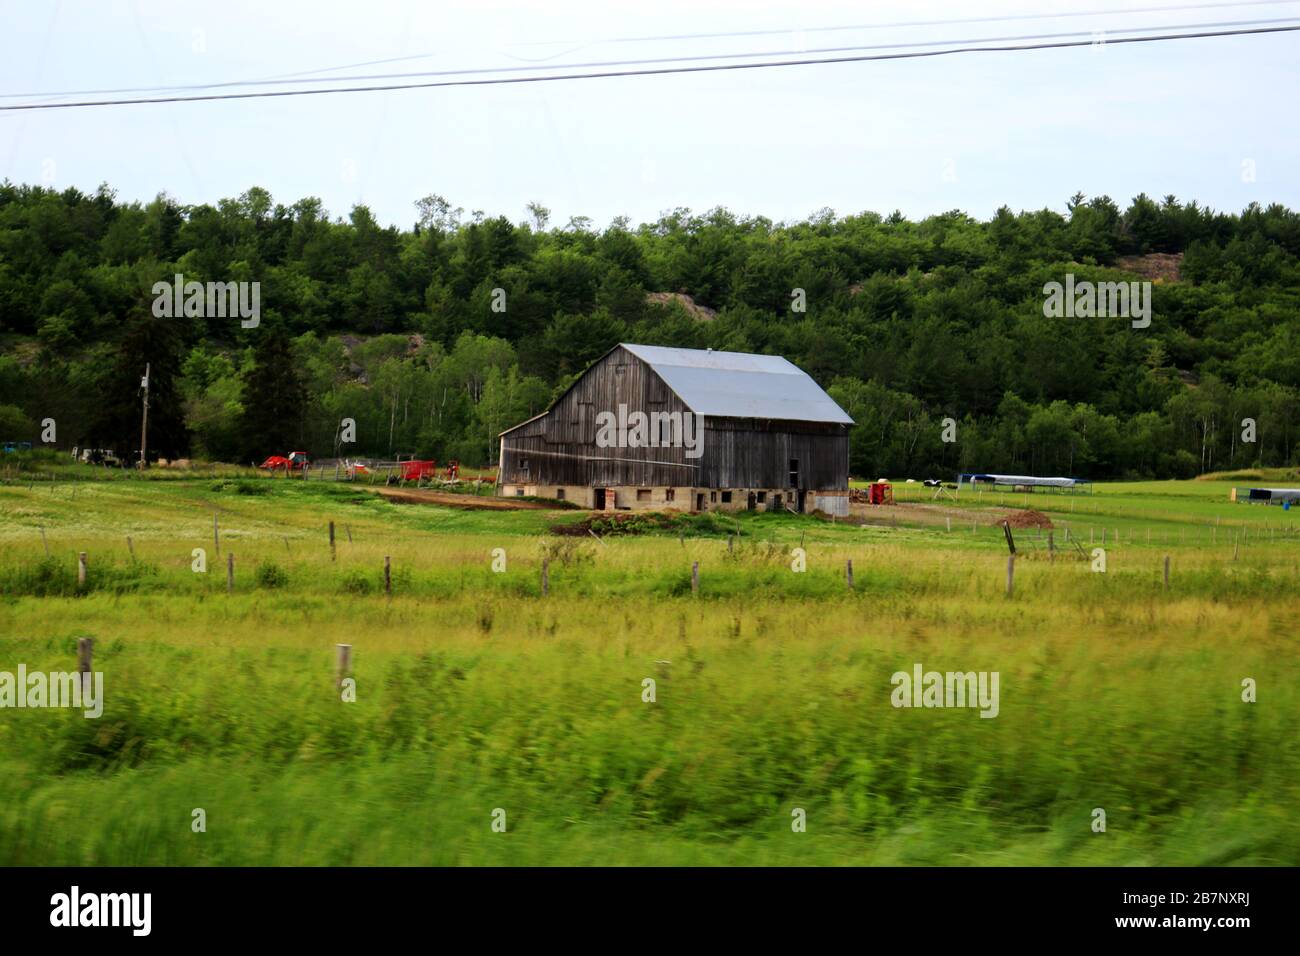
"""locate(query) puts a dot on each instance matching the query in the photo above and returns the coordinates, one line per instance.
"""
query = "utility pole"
(144, 420)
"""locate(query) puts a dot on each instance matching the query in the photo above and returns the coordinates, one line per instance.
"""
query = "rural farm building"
(721, 430)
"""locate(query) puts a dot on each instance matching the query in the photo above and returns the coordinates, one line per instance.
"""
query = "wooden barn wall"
(561, 446)
(738, 453)
(746, 453)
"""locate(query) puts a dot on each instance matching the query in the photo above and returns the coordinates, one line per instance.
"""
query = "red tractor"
(296, 461)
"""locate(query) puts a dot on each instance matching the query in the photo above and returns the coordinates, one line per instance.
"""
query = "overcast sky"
(1210, 119)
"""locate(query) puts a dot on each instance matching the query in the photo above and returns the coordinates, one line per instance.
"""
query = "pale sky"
(970, 131)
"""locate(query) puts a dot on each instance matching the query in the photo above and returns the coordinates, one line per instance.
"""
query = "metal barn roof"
(741, 385)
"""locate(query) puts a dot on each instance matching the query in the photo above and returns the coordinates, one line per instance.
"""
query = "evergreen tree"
(274, 398)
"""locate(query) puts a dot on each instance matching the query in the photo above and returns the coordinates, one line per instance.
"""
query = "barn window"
(519, 492)
(726, 497)
(762, 497)
(523, 466)
(643, 494)
(670, 494)
(713, 496)
(559, 494)
(794, 472)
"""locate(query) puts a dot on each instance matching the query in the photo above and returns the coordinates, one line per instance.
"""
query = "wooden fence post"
(130, 547)
(546, 576)
(81, 569)
(85, 658)
(216, 536)
(1051, 548)
(331, 540)
(388, 575)
(45, 543)
(343, 663)
(230, 573)
(695, 577)
(848, 570)
(1166, 572)
(1011, 573)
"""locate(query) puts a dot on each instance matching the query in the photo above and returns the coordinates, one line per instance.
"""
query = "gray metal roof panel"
(741, 385)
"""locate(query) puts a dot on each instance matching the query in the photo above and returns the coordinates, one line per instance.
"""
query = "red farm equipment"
(297, 461)
(415, 470)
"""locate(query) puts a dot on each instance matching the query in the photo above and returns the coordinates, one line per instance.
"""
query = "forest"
(436, 337)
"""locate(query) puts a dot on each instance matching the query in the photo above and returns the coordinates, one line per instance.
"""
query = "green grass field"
(476, 693)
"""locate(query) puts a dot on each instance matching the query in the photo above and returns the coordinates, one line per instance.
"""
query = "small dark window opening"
(559, 494)
(670, 494)
(762, 497)
(726, 497)
(713, 496)
(794, 472)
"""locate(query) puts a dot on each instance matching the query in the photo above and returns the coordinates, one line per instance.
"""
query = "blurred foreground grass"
(772, 692)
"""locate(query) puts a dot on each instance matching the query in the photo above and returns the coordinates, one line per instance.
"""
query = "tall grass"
(771, 692)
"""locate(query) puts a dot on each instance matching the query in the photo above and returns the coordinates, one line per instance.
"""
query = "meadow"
(475, 692)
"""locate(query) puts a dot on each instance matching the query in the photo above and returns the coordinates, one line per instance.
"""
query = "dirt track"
(420, 496)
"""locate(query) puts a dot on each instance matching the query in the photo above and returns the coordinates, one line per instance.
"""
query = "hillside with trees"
(906, 324)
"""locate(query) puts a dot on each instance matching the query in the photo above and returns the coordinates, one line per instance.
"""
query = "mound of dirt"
(1025, 519)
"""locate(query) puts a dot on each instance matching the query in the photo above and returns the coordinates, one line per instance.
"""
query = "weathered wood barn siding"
(751, 453)
(559, 447)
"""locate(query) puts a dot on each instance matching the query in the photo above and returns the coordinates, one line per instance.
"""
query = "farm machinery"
(296, 461)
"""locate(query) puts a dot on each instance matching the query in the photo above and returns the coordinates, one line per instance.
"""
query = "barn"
(649, 427)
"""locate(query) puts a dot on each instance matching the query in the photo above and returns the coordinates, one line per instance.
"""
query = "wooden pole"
(1011, 573)
(546, 576)
(230, 574)
(1236, 547)
(1166, 572)
(44, 542)
(695, 577)
(348, 529)
(85, 658)
(331, 540)
(130, 547)
(1051, 548)
(216, 536)
(81, 569)
(343, 663)
(848, 570)
(388, 575)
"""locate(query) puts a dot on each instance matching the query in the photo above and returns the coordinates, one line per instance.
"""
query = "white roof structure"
(1025, 480)
(1275, 494)
(741, 385)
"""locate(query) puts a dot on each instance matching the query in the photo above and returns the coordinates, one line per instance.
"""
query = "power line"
(668, 59)
(662, 71)
(1124, 11)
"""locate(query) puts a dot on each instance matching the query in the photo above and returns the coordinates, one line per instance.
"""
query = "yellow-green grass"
(773, 689)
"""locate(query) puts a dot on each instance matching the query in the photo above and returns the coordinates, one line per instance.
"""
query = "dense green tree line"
(434, 338)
